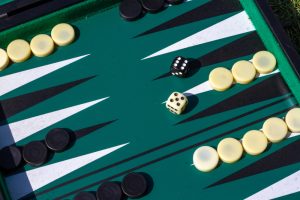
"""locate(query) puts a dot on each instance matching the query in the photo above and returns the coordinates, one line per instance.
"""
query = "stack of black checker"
(35, 153)
(131, 10)
(133, 185)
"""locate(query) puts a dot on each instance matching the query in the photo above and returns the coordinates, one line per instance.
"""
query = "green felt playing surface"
(109, 87)
(5, 2)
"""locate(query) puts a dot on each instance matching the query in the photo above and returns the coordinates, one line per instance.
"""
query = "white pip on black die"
(180, 67)
(176, 103)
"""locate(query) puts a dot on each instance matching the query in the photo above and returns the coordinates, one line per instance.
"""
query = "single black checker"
(110, 191)
(35, 153)
(153, 6)
(85, 196)
(130, 10)
(58, 139)
(10, 158)
(134, 185)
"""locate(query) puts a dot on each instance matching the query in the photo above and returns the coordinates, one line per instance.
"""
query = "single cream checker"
(63, 34)
(18, 50)
(220, 79)
(230, 150)
(205, 158)
(42, 45)
(264, 62)
(243, 72)
(275, 129)
(254, 142)
(292, 120)
(4, 60)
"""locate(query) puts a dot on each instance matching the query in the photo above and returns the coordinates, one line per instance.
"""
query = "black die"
(180, 67)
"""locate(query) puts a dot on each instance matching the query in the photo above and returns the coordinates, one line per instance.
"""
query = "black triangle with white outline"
(12, 106)
(257, 93)
(247, 45)
(285, 156)
(197, 14)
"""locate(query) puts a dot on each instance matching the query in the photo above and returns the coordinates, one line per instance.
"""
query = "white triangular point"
(201, 88)
(293, 135)
(16, 131)
(235, 25)
(13, 81)
(286, 186)
(24, 183)
(205, 87)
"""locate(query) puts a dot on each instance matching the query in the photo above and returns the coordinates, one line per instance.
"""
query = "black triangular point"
(85, 131)
(17, 104)
(244, 46)
(165, 75)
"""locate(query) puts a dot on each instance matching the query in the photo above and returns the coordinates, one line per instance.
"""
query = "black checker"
(153, 6)
(130, 10)
(35, 153)
(10, 158)
(134, 185)
(110, 191)
(58, 139)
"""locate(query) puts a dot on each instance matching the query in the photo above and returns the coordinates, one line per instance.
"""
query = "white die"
(177, 103)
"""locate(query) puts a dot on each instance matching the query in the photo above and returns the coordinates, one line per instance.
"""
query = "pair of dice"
(177, 102)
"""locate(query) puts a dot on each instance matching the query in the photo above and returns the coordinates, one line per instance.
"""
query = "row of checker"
(254, 142)
(131, 10)
(242, 72)
(41, 45)
(36, 153)
(134, 185)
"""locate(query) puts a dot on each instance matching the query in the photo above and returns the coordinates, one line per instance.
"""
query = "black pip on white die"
(180, 67)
